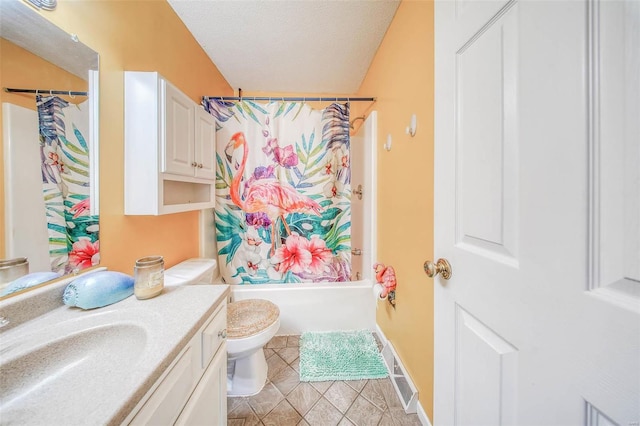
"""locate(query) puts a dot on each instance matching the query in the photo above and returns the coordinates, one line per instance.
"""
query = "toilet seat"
(246, 318)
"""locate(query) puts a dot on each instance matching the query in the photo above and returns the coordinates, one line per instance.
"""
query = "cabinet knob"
(222, 333)
(194, 164)
(200, 165)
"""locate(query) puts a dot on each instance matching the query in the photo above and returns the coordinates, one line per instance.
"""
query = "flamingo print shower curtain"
(283, 195)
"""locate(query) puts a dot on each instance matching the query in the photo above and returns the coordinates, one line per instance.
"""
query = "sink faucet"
(3, 321)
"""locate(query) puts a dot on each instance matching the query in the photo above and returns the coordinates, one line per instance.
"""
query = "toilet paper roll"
(377, 291)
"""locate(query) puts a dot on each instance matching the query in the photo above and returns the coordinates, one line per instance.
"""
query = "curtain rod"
(289, 99)
(45, 92)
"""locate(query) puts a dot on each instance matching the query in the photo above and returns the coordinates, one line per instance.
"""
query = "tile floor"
(286, 401)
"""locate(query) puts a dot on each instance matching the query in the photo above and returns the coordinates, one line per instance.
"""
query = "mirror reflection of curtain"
(64, 153)
(283, 205)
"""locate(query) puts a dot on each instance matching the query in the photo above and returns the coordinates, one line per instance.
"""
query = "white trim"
(422, 415)
(381, 336)
(94, 144)
(593, 141)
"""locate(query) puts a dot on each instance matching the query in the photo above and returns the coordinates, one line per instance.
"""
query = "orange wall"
(21, 69)
(401, 77)
(137, 36)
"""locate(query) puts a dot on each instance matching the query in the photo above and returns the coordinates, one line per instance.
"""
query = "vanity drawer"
(214, 334)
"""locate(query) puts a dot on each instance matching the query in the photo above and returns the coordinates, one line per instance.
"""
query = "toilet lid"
(248, 317)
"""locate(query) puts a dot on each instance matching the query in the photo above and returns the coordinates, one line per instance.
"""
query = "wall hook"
(413, 124)
(387, 145)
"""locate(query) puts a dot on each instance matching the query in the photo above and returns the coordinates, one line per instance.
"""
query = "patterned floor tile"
(345, 422)
(362, 412)
(400, 418)
(277, 342)
(390, 394)
(321, 386)
(341, 396)
(286, 380)
(296, 365)
(357, 385)
(238, 408)
(373, 392)
(303, 397)
(283, 415)
(266, 400)
(275, 365)
(323, 414)
(268, 352)
(289, 354)
(285, 401)
(293, 341)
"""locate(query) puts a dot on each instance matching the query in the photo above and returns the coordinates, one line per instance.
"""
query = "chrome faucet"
(4, 321)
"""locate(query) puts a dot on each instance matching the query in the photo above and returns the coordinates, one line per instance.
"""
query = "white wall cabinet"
(169, 148)
(193, 389)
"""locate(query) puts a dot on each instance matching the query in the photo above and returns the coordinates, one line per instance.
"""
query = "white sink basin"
(63, 364)
(45, 373)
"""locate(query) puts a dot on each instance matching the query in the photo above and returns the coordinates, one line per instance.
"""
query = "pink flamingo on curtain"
(272, 197)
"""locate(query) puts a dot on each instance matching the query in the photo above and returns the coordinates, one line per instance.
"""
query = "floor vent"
(405, 388)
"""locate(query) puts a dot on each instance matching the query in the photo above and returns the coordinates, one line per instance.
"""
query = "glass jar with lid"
(11, 269)
(148, 277)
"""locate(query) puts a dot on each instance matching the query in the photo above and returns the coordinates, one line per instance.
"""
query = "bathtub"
(316, 306)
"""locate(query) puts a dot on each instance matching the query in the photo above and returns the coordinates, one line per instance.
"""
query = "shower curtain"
(64, 155)
(283, 195)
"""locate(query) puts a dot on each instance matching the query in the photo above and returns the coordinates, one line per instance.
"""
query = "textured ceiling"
(302, 46)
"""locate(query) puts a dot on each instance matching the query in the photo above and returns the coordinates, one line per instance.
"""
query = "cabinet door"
(208, 403)
(177, 152)
(205, 146)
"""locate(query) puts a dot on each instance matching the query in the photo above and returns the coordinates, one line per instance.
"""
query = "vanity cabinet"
(169, 148)
(193, 389)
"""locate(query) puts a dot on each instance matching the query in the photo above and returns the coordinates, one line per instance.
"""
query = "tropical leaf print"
(289, 219)
(227, 226)
(73, 232)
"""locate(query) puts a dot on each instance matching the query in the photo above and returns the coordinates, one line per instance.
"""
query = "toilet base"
(248, 376)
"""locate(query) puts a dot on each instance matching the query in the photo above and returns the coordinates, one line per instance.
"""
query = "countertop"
(164, 325)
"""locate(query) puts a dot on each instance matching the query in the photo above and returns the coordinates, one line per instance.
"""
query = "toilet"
(251, 323)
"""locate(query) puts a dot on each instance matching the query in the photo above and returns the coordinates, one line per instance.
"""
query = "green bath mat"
(340, 355)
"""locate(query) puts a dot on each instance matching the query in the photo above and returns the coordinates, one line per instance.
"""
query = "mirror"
(49, 142)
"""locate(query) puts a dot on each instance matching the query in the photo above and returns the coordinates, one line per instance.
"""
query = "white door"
(179, 132)
(537, 194)
(205, 144)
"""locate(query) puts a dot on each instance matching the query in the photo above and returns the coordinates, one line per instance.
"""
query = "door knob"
(441, 267)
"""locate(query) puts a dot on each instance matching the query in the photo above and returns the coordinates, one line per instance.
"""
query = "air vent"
(402, 383)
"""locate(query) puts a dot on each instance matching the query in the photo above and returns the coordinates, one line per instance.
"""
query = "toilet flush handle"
(222, 333)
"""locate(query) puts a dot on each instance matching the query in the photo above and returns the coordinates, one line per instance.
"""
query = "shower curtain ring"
(71, 96)
(37, 92)
(50, 92)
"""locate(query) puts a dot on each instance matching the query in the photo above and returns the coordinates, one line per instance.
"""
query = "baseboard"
(381, 336)
(422, 415)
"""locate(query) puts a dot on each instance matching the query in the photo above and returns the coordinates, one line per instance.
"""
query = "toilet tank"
(191, 271)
